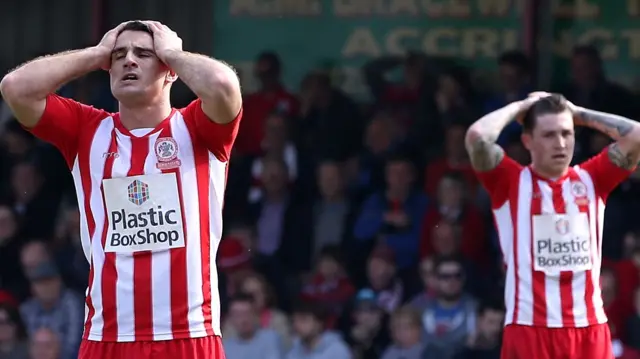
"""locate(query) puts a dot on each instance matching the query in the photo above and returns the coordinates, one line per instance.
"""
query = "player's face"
(137, 74)
(551, 143)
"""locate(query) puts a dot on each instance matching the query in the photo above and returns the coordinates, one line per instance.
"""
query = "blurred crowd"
(351, 230)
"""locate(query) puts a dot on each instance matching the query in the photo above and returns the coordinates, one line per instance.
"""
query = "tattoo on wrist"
(620, 159)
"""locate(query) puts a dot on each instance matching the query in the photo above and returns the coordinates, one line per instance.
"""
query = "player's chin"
(560, 164)
(124, 92)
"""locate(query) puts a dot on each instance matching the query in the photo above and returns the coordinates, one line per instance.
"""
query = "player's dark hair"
(549, 105)
(516, 59)
(136, 26)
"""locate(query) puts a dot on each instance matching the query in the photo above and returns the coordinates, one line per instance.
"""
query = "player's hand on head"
(525, 105)
(165, 40)
(108, 43)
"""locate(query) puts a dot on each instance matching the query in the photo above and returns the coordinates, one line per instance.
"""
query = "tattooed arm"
(481, 137)
(625, 152)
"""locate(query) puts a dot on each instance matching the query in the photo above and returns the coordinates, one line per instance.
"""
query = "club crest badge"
(167, 153)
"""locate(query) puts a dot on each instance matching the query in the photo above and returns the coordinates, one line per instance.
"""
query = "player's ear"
(526, 140)
(171, 76)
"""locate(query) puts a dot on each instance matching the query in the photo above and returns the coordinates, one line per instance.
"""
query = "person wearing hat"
(368, 334)
(55, 307)
(382, 278)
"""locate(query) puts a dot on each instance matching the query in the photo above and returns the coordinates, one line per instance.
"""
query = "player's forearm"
(211, 80)
(481, 137)
(626, 151)
(614, 126)
(488, 127)
(38, 78)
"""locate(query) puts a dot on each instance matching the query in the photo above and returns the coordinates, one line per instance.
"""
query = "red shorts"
(200, 348)
(525, 342)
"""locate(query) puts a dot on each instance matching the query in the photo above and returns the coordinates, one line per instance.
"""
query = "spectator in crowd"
(429, 283)
(514, 70)
(331, 124)
(10, 245)
(623, 351)
(620, 217)
(453, 205)
(406, 334)
(367, 332)
(250, 340)
(333, 213)
(394, 216)
(283, 231)
(13, 336)
(589, 87)
(454, 160)
(54, 306)
(450, 317)
(33, 253)
(17, 145)
(313, 340)
(406, 92)
(46, 344)
(271, 97)
(264, 299)
(68, 252)
(367, 168)
(36, 208)
(613, 304)
(234, 265)
(329, 286)
(633, 323)
(383, 280)
(446, 240)
(485, 342)
(276, 144)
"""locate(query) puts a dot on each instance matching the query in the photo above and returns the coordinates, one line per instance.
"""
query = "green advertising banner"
(612, 25)
(348, 33)
(345, 34)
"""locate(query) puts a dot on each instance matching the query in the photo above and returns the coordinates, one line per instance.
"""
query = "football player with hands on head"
(549, 217)
(150, 181)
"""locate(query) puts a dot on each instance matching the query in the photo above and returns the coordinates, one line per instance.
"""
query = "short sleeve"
(605, 174)
(218, 138)
(61, 123)
(497, 182)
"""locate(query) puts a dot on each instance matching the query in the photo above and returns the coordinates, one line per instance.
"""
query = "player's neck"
(148, 116)
(546, 174)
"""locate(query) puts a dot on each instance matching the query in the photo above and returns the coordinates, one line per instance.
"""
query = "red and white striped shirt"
(551, 238)
(151, 217)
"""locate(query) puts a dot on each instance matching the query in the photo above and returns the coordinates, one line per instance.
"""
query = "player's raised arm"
(215, 83)
(625, 152)
(481, 137)
(26, 88)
